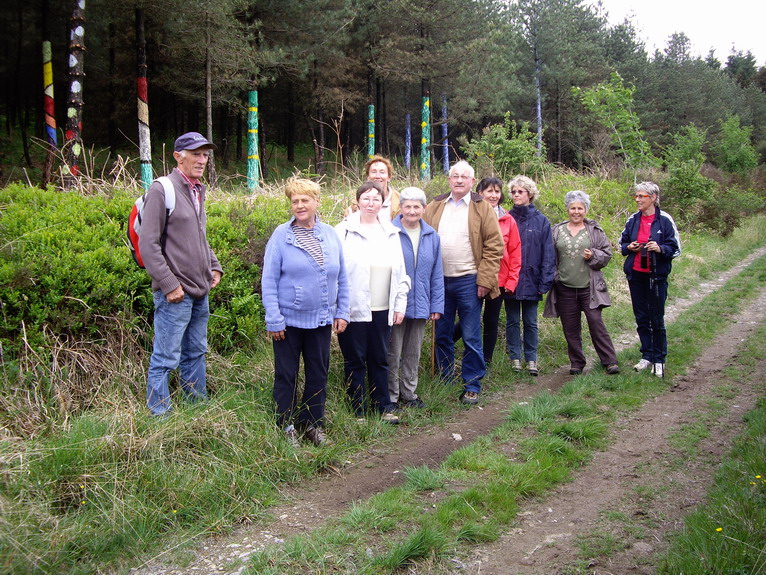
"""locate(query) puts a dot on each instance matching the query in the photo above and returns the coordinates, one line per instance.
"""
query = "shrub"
(734, 149)
(503, 150)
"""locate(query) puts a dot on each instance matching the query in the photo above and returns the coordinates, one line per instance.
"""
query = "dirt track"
(543, 540)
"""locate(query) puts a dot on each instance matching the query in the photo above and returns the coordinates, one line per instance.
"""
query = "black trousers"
(314, 346)
(364, 345)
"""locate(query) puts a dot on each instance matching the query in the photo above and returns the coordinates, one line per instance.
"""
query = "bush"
(504, 150)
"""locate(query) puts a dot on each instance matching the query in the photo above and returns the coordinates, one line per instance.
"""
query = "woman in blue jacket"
(421, 248)
(305, 292)
(651, 241)
(538, 268)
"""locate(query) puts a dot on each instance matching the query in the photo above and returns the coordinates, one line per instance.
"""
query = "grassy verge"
(727, 534)
(112, 484)
(477, 490)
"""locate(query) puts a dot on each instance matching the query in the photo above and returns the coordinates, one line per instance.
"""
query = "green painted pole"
(425, 140)
(370, 131)
(253, 165)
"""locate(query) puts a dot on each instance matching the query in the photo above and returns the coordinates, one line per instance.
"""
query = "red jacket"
(510, 265)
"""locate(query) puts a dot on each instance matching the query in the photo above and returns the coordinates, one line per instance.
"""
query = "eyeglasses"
(641, 196)
(518, 192)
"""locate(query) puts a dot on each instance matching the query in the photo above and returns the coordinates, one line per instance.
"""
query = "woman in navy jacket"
(538, 268)
(651, 241)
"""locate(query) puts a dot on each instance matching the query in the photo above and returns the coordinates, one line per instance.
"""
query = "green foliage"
(686, 187)
(734, 150)
(612, 105)
(503, 150)
(696, 200)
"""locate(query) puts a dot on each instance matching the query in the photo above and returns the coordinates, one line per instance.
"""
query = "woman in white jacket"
(378, 284)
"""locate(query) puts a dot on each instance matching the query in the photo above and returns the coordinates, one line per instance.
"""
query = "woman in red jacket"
(492, 191)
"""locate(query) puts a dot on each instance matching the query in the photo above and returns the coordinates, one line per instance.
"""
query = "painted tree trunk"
(211, 172)
(253, 172)
(48, 101)
(73, 134)
(425, 140)
(445, 139)
(539, 100)
(370, 131)
(50, 114)
(407, 141)
(142, 92)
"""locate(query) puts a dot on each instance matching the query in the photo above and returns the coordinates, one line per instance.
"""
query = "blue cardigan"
(296, 291)
(427, 292)
(538, 254)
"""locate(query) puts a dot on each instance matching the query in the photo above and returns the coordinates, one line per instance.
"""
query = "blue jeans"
(180, 341)
(527, 311)
(461, 299)
(648, 297)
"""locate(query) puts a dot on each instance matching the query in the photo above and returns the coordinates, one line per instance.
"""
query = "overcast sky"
(718, 25)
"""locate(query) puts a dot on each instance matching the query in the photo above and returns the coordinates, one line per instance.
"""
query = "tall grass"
(88, 480)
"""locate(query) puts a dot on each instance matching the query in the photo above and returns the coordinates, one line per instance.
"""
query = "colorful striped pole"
(370, 131)
(73, 133)
(445, 139)
(425, 140)
(48, 101)
(253, 166)
(407, 141)
(142, 91)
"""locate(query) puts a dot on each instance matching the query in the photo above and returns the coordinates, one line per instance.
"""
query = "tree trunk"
(211, 173)
(49, 108)
(290, 123)
(73, 134)
(538, 98)
(142, 92)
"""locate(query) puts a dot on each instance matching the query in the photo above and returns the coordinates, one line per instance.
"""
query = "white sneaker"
(516, 364)
(659, 369)
(642, 365)
(532, 368)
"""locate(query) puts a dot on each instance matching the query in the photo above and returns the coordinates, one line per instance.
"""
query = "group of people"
(396, 262)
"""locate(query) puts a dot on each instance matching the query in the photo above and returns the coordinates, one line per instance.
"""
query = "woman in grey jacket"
(582, 251)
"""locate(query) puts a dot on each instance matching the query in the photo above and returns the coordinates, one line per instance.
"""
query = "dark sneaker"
(575, 371)
(469, 398)
(416, 403)
(291, 434)
(315, 435)
(613, 369)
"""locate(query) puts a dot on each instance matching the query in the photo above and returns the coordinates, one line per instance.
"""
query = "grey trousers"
(404, 359)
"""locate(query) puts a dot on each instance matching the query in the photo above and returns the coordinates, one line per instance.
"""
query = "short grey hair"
(577, 196)
(463, 164)
(649, 188)
(413, 194)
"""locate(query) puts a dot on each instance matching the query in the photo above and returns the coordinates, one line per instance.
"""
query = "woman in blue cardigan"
(421, 248)
(306, 295)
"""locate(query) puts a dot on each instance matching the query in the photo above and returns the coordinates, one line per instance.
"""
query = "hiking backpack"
(137, 215)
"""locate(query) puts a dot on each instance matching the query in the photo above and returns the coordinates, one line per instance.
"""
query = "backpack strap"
(170, 193)
(170, 205)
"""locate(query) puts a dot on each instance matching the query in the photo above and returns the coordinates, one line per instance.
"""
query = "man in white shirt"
(472, 247)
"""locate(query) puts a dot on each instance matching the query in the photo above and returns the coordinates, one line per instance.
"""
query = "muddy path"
(546, 532)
